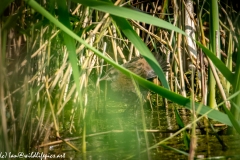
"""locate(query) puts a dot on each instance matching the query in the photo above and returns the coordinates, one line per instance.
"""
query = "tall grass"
(49, 56)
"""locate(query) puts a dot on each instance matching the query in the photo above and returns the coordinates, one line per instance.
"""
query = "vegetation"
(52, 59)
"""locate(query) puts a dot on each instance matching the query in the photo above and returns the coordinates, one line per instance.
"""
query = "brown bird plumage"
(138, 65)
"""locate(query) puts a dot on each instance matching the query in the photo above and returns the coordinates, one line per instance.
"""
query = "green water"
(116, 131)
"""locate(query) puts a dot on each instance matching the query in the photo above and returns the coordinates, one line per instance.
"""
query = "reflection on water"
(118, 133)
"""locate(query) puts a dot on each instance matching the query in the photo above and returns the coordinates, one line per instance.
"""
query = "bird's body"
(138, 65)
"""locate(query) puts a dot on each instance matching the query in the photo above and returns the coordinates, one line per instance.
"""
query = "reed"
(53, 55)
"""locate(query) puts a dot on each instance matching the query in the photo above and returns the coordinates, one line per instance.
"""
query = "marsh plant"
(54, 53)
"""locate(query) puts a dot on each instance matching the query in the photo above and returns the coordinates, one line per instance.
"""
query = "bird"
(119, 82)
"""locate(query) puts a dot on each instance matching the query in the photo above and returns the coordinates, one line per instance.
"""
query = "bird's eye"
(113, 73)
